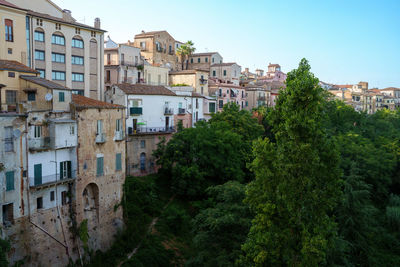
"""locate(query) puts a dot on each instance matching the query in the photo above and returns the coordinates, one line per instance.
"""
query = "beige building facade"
(203, 61)
(198, 79)
(227, 72)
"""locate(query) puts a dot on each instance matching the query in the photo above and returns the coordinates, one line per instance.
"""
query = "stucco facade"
(198, 79)
(227, 72)
(203, 61)
(155, 75)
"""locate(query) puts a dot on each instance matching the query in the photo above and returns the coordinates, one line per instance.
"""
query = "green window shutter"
(61, 96)
(38, 174)
(61, 170)
(100, 162)
(118, 162)
(69, 169)
(10, 181)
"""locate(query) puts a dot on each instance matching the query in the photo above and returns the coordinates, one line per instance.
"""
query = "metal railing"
(181, 111)
(52, 179)
(119, 135)
(152, 130)
(100, 138)
(168, 111)
(39, 143)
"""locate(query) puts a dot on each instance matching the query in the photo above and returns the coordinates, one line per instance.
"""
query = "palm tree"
(180, 52)
(185, 51)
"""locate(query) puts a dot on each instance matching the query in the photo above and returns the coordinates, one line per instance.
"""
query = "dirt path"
(149, 230)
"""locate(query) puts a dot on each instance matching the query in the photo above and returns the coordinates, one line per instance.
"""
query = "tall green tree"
(184, 52)
(297, 181)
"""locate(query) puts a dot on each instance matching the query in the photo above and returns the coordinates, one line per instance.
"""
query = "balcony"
(181, 111)
(119, 136)
(129, 63)
(172, 52)
(151, 130)
(168, 111)
(100, 138)
(203, 81)
(135, 111)
(51, 180)
(41, 143)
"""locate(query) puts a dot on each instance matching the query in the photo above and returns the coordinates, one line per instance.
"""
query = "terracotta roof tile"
(144, 89)
(16, 66)
(83, 102)
(43, 82)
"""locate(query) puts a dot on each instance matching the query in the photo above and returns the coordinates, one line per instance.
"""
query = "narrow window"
(10, 181)
(99, 169)
(38, 174)
(61, 97)
(224, 72)
(39, 203)
(198, 60)
(31, 96)
(64, 198)
(37, 131)
(118, 162)
(9, 30)
(118, 125)
(52, 196)
(142, 143)
(65, 170)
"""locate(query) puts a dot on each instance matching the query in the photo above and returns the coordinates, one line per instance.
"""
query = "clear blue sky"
(346, 41)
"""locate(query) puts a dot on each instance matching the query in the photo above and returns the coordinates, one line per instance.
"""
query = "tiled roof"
(83, 102)
(343, 86)
(74, 23)
(5, 3)
(16, 66)
(390, 89)
(144, 89)
(43, 82)
(223, 64)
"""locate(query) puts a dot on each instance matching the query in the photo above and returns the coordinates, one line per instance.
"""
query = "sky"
(345, 41)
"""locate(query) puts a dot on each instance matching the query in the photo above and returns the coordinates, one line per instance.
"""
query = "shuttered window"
(118, 162)
(8, 140)
(61, 97)
(38, 174)
(65, 170)
(9, 30)
(100, 163)
(10, 181)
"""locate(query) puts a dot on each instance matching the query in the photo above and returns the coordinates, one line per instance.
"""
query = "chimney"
(97, 23)
(67, 15)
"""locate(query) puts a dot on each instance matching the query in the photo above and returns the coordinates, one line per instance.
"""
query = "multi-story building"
(158, 48)
(257, 96)
(61, 49)
(203, 61)
(228, 72)
(153, 113)
(227, 93)
(198, 79)
(122, 64)
(100, 168)
(155, 75)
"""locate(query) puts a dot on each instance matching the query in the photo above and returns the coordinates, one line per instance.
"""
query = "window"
(31, 96)
(206, 59)
(11, 97)
(211, 107)
(10, 181)
(197, 103)
(8, 140)
(77, 31)
(118, 162)
(11, 74)
(214, 73)
(58, 75)
(52, 196)
(39, 55)
(99, 169)
(39, 203)
(39, 22)
(78, 92)
(77, 43)
(9, 50)
(99, 127)
(143, 45)
(57, 39)
(76, 60)
(108, 75)
(212, 60)
(198, 60)
(64, 198)
(221, 103)
(122, 59)
(56, 57)
(202, 90)
(77, 77)
(93, 34)
(142, 143)
(58, 26)
(37, 131)
(72, 130)
(9, 30)
(118, 125)
(42, 73)
(191, 60)
(224, 72)
(39, 36)
(180, 105)
(61, 97)
(65, 170)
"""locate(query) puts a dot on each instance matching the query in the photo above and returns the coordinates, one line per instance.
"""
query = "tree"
(221, 227)
(297, 181)
(185, 51)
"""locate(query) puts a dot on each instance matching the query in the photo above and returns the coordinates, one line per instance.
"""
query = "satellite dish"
(48, 97)
(17, 133)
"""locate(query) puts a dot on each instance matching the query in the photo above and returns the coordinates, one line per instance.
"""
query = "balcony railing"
(135, 111)
(203, 81)
(119, 136)
(172, 52)
(41, 143)
(181, 111)
(100, 138)
(52, 179)
(168, 111)
(151, 130)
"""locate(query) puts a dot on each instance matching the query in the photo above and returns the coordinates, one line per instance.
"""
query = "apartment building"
(122, 64)
(203, 61)
(61, 49)
(153, 113)
(100, 168)
(227, 93)
(198, 79)
(228, 72)
(257, 96)
(155, 75)
(158, 48)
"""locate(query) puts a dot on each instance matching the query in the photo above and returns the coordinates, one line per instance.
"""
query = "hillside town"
(79, 112)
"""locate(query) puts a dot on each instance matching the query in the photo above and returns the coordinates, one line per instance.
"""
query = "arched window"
(39, 35)
(77, 42)
(9, 30)
(58, 39)
(143, 161)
